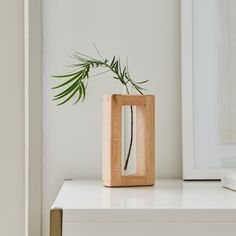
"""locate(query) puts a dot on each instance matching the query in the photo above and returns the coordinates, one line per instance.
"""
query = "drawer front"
(149, 229)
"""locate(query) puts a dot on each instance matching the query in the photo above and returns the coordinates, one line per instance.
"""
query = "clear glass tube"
(128, 166)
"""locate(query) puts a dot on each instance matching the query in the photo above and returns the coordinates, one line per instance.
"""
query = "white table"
(172, 207)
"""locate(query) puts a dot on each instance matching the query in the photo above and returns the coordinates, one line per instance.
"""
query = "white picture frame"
(190, 169)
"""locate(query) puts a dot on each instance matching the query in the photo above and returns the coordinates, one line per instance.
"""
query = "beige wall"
(11, 118)
(148, 32)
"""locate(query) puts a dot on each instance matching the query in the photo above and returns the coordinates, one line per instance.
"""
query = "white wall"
(12, 118)
(213, 78)
(148, 33)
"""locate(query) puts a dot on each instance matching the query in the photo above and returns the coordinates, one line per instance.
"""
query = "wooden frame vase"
(112, 140)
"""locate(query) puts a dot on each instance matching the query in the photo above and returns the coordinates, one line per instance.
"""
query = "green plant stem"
(131, 121)
(131, 137)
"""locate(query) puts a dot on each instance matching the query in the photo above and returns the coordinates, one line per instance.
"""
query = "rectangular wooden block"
(112, 140)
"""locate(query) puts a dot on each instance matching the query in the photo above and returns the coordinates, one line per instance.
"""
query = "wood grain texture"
(56, 222)
(112, 139)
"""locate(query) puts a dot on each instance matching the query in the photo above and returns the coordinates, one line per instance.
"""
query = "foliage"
(76, 83)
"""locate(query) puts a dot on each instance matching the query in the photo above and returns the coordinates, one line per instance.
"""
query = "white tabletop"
(166, 194)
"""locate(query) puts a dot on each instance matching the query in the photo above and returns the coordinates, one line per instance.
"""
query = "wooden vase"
(112, 140)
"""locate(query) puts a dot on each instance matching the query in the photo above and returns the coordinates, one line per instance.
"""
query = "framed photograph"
(208, 46)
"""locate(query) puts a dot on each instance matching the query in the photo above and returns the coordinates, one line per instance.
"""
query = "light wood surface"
(56, 222)
(112, 138)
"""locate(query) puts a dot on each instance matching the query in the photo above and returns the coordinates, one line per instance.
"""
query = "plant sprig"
(75, 83)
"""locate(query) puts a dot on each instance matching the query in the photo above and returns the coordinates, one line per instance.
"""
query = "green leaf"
(123, 73)
(63, 76)
(127, 77)
(69, 97)
(71, 86)
(68, 81)
(142, 82)
(84, 90)
(80, 95)
(138, 87)
(67, 91)
(139, 91)
(112, 62)
(115, 66)
(84, 55)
